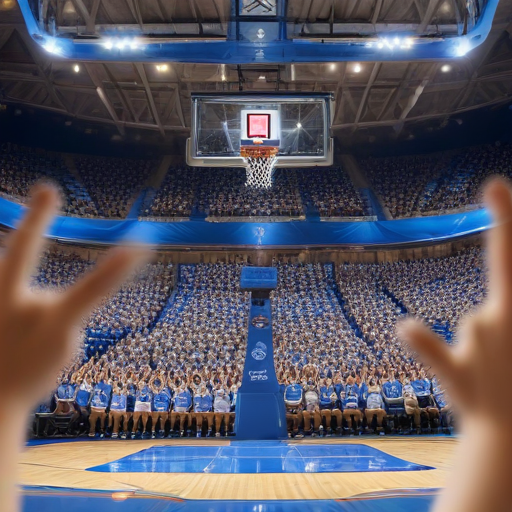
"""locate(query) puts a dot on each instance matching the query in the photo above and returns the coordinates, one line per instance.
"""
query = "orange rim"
(258, 151)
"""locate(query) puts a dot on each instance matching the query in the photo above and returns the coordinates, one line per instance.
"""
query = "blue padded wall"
(264, 234)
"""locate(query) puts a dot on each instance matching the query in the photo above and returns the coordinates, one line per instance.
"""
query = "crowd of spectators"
(107, 187)
(176, 195)
(134, 308)
(417, 185)
(179, 362)
(113, 183)
(404, 183)
(331, 192)
(22, 167)
(470, 168)
(207, 321)
(221, 193)
(103, 187)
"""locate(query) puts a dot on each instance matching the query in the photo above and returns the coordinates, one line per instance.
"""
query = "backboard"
(297, 123)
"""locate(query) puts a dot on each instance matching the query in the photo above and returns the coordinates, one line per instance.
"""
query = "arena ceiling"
(370, 96)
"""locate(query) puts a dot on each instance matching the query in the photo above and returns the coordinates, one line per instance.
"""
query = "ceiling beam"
(433, 7)
(91, 26)
(96, 80)
(135, 10)
(154, 112)
(84, 13)
(424, 117)
(377, 11)
(145, 126)
(373, 76)
(397, 96)
(27, 43)
(413, 99)
(124, 98)
(5, 36)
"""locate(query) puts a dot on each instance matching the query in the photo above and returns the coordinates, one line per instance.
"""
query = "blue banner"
(264, 234)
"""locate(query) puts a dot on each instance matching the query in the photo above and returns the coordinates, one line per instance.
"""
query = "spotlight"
(76, 68)
(332, 66)
(51, 47)
(121, 44)
(395, 42)
(162, 67)
(263, 77)
(358, 68)
(299, 125)
(463, 48)
(446, 68)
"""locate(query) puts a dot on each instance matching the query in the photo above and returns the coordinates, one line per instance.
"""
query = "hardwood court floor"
(65, 464)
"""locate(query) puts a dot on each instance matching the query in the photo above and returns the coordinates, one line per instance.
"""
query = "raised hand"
(38, 330)
(475, 373)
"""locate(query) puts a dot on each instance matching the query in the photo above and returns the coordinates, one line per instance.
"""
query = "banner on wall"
(269, 234)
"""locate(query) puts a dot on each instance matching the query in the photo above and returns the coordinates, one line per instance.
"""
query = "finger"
(24, 244)
(499, 242)
(431, 349)
(109, 275)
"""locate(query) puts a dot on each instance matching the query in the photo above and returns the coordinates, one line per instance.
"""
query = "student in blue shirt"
(393, 395)
(221, 407)
(118, 409)
(99, 403)
(329, 405)
(181, 405)
(160, 405)
(84, 394)
(203, 404)
(445, 411)
(351, 412)
(143, 399)
(422, 387)
(293, 398)
(65, 398)
(131, 392)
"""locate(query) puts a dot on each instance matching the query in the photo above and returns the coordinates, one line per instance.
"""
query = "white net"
(260, 171)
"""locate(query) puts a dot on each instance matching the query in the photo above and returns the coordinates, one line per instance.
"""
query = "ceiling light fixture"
(446, 68)
(358, 68)
(121, 44)
(462, 48)
(395, 43)
(76, 68)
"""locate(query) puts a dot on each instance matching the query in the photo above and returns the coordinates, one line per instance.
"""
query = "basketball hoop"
(260, 162)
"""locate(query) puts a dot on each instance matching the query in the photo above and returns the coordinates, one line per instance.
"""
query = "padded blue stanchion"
(260, 409)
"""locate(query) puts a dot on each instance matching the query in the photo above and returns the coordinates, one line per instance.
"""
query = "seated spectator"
(374, 407)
